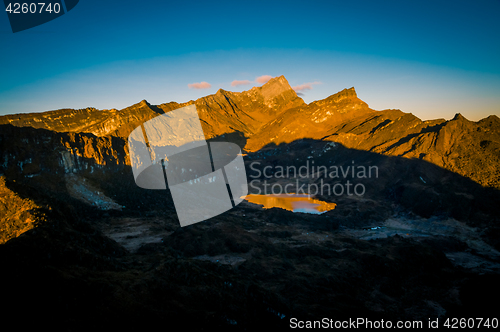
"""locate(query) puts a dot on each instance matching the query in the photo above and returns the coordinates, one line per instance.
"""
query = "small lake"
(292, 202)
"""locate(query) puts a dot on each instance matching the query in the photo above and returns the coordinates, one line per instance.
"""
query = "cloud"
(263, 79)
(201, 85)
(236, 82)
(305, 86)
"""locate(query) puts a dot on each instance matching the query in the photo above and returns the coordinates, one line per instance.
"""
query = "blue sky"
(430, 58)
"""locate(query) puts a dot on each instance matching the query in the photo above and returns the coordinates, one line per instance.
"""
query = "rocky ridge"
(273, 114)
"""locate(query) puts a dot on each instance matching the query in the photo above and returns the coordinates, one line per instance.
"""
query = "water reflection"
(292, 202)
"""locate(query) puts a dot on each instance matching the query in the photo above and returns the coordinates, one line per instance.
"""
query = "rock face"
(310, 121)
(30, 152)
(18, 215)
(471, 149)
(245, 112)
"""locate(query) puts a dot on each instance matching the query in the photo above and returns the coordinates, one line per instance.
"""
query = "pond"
(292, 202)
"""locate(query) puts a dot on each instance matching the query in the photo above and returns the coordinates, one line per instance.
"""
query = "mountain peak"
(274, 87)
(281, 79)
(459, 117)
(278, 80)
(142, 103)
(221, 92)
(351, 92)
(346, 93)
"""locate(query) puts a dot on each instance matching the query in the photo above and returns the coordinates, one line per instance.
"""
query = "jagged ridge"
(273, 114)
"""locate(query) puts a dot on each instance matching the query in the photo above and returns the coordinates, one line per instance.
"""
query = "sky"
(430, 58)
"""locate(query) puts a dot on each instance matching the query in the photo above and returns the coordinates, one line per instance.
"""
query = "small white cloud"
(305, 86)
(263, 79)
(243, 82)
(201, 85)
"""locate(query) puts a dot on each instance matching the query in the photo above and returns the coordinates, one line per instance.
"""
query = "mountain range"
(274, 114)
(425, 234)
